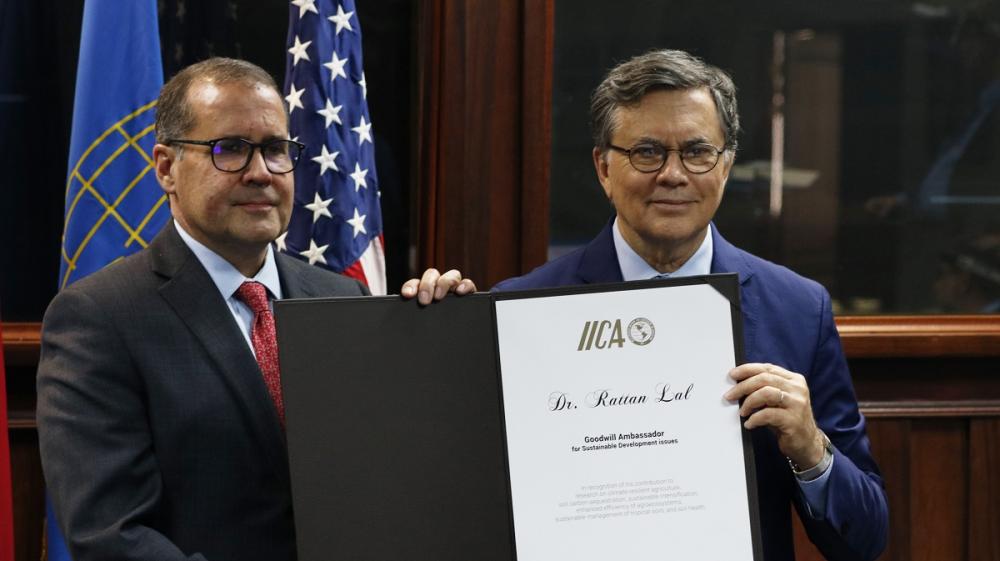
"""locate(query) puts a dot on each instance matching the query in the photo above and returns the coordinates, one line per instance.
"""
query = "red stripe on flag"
(6, 500)
(356, 272)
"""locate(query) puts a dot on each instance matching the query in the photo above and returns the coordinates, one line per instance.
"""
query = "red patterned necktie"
(265, 344)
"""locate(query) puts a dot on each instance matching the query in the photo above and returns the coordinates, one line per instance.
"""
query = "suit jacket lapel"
(189, 290)
(599, 263)
(726, 258)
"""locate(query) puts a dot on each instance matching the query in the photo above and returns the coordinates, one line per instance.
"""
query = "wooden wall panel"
(536, 127)
(984, 490)
(891, 448)
(483, 136)
(941, 467)
(939, 470)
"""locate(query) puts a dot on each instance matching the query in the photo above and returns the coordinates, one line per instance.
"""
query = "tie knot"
(254, 295)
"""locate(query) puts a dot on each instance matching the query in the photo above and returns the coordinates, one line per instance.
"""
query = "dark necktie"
(265, 344)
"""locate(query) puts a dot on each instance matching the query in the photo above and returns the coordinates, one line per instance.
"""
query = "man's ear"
(728, 159)
(163, 164)
(601, 167)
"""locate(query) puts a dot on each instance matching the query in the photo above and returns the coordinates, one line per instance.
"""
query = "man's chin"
(259, 237)
(672, 235)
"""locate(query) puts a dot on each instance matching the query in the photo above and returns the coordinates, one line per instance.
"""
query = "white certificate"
(620, 445)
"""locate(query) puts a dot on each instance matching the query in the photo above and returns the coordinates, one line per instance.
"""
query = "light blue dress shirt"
(228, 280)
(634, 267)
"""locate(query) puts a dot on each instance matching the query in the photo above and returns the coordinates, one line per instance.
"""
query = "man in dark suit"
(665, 128)
(160, 416)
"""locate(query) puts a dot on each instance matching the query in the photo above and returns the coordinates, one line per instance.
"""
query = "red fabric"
(355, 272)
(265, 342)
(6, 502)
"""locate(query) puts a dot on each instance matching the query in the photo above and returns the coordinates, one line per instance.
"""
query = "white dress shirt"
(228, 280)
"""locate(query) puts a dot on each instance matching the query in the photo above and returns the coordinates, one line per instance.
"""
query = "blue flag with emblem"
(114, 205)
(337, 219)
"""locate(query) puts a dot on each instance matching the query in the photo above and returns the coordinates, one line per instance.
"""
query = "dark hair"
(627, 83)
(174, 117)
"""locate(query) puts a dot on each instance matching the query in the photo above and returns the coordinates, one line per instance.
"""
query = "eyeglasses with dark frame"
(233, 154)
(697, 158)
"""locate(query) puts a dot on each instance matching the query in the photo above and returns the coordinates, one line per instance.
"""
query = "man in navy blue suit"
(665, 126)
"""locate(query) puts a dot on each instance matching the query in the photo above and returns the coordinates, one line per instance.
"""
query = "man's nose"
(673, 171)
(256, 171)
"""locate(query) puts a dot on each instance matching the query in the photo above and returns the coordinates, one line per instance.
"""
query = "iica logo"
(606, 334)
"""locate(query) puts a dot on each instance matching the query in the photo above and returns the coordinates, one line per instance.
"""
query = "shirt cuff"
(815, 492)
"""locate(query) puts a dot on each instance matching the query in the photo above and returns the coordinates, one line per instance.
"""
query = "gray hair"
(626, 84)
(174, 117)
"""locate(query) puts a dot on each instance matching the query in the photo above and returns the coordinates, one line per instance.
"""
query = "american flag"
(336, 221)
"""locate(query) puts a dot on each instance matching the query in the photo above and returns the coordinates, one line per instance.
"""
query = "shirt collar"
(635, 267)
(225, 276)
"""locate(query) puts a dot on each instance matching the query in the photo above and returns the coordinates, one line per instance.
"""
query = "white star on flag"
(364, 131)
(326, 160)
(305, 6)
(319, 208)
(331, 113)
(364, 86)
(280, 241)
(359, 177)
(336, 66)
(358, 222)
(294, 99)
(315, 253)
(298, 51)
(342, 19)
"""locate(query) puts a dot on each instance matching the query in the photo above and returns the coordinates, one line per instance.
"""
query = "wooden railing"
(920, 336)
